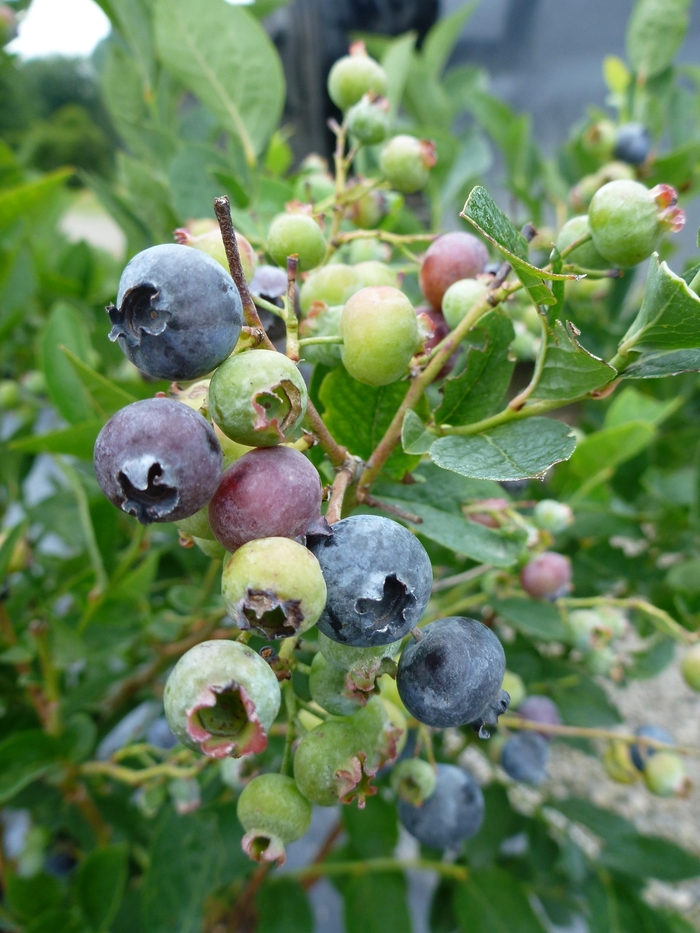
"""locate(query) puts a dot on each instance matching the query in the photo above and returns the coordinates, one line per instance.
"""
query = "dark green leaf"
(655, 33)
(17, 289)
(669, 318)
(283, 907)
(106, 396)
(442, 918)
(484, 214)
(535, 618)
(608, 448)
(79, 736)
(478, 391)
(55, 920)
(375, 904)
(510, 451)
(78, 441)
(184, 865)
(191, 180)
(658, 365)
(66, 328)
(24, 757)
(358, 415)
(502, 823)
(415, 439)
(374, 831)
(30, 897)
(462, 536)
(493, 901)
(569, 369)
(223, 55)
(101, 883)
(630, 405)
(649, 663)
(583, 702)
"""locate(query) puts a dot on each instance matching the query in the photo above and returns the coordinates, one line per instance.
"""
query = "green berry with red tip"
(327, 766)
(343, 678)
(329, 688)
(368, 120)
(221, 699)
(355, 75)
(273, 812)
(380, 335)
(413, 780)
(405, 162)
(296, 234)
(628, 220)
(690, 667)
(332, 285)
(258, 398)
(460, 298)
(275, 586)
(665, 775)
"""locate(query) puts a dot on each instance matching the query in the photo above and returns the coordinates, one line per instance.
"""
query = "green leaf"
(283, 907)
(494, 901)
(184, 865)
(396, 62)
(616, 74)
(443, 37)
(676, 168)
(569, 369)
(581, 701)
(101, 882)
(24, 757)
(669, 318)
(483, 213)
(191, 180)
(78, 441)
(66, 328)
(415, 439)
(517, 450)
(138, 235)
(358, 415)
(133, 20)
(30, 897)
(478, 391)
(374, 831)
(8, 546)
(659, 365)
(630, 405)
(105, 395)
(608, 448)
(655, 33)
(17, 290)
(375, 904)
(22, 199)
(532, 617)
(223, 55)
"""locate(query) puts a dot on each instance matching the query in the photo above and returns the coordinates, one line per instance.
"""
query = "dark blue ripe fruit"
(158, 460)
(454, 812)
(640, 754)
(525, 756)
(633, 143)
(178, 313)
(453, 675)
(379, 579)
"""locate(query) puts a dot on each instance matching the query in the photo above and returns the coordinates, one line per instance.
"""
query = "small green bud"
(368, 120)
(353, 76)
(296, 233)
(665, 775)
(690, 667)
(550, 515)
(413, 780)
(515, 688)
(406, 161)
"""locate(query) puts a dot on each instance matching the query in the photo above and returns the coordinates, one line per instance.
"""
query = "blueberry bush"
(360, 480)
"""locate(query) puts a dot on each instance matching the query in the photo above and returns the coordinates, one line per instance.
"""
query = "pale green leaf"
(415, 439)
(669, 318)
(569, 369)
(655, 33)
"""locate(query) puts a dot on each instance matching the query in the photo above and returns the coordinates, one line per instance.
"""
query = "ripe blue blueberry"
(454, 812)
(524, 758)
(453, 675)
(633, 143)
(537, 708)
(178, 313)
(158, 459)
(640, 754)
(379, 579)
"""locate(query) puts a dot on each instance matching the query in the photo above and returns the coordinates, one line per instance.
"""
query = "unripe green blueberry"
(374, 206)
(585, 255)
(206, 236)
(665, 775)
(327, 766)
(197, 525)
(406, 161)
(9, 394)
(586, 629)
(368, 120)
(366, 249)
(312, 187)
(275, 586)
(382, 728)
(460, 298)
(599, 139)
(515, 688)
(581, 194)
(332, 285)
(413, 780)
(380, 335)
(601, 661)
(373, 272)
(211, 548)
(322, 321)
(296, 233)
(258, 397)
(328, 686)
(617, 763)
(349, 658)
(550, 515)
(343, 678)
(628, 220)
(525, 345)
(690, 667)
(221, 699)
(355, 75)
(273, 812)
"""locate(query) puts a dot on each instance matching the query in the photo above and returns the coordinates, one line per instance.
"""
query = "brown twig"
(342, 480)
(324, 851)
(392, 510)
(243, 914)
(336, 453)
(222, 209)
(291, 322)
